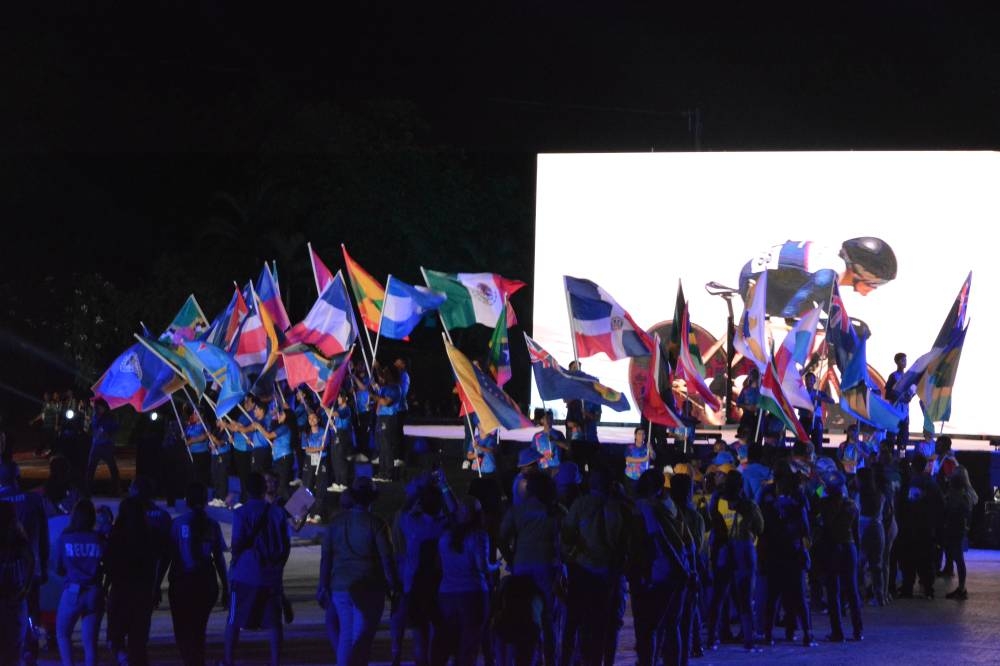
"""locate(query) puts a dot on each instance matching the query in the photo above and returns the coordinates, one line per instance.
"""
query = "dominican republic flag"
(557, 383)
(329, 326)
(795, 350)
(473, 298)
(321, 274)
(750, 338)
(270, 298)
(651, 403)
(773, 400)
(601, 325)
(494, 408)
(404, 306)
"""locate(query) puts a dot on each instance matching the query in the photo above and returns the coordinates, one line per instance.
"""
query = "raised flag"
(773, 400)
(680, 307)
(473, 298)
(498, 359)
(404, 306)
(368, 292)
(794, 351)
(494, 408)
(336, 379)
(329, 325)
(556, 383)
(224, 371)
(599, 324)
(308, 367)
(850, 349)
(226, 325)
(181, 360)
(866, 405)
(935, 386)
(188, 324)
(688, 371)
(321, 274)
(750, 338)
(651, 403)
(250, 346)
(138, 378)
(270, 298)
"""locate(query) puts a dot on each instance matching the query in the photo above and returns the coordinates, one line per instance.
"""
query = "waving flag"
(651, 403)
(227, 324)
(138, 378)
(688, 371)
(494, 408)
(182, 362)
(321, 274)
(308, 367)
(250, 346)
(499, 353)
(270, 299)
(336, 379)
(556, 383)
(404, 306)
(680, 306)
(329, 325)
(189, 323)
(368, 293)
(599, 324)
(866, 405)
(850, 349)
(773, 400)
(795, 349)
(473, 298)
(751, 334)
(224, 371)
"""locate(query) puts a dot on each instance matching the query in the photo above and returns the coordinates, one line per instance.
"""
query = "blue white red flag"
(404, 307)
(329, 326)
(270, 298)
(599, 324)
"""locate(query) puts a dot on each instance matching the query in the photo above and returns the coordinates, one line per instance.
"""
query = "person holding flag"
(198, 441)
(548, 442)
(279, 437)
(316, 471)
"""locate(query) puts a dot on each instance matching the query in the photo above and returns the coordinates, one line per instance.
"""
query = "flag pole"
(447, 334)
(378, 333)
(343, 249)
(211, 440)
(569, 313)
(312, 264)
(181, 425)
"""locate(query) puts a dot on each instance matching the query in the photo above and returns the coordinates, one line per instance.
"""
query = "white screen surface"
(636, 223)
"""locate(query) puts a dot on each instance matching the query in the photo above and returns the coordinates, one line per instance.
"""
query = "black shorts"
(254, 606)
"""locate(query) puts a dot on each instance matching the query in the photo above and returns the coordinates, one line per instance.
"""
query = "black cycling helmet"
(872, 254)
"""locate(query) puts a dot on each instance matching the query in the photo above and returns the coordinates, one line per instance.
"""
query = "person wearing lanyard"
(316, 473)
(344, 446)
(241, 444)
(80, 559)
(637, 456)
(362, 403)
(484, 449)
(548, 442)
(388, 393)
(280, 437)
(197, 566)
(197, 440)
(221, 458)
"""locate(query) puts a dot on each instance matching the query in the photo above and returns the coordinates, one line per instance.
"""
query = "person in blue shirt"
(280, 436)
(242, 445)
(362, 404)
(343, 448)
(261, 457)
(80, 560)
(548, 442)
(748, 430)
(402, 368)
(484, 452)
(197, 568)
(102, 448)
(221, 458)
(198, 443)
(388, 394)
(16, 576)
(261, 544)
(812, 419)
(315, 475)
(637, 456)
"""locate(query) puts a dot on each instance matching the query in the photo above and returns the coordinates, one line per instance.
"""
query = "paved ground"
(915, 631)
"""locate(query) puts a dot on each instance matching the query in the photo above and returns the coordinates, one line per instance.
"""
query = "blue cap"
(724, 458)
(826, 464)
(528, 456)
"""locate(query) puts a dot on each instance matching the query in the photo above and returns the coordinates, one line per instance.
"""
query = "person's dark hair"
(942, 444)
(755, 452)
(83, 518)
(785, 480)
(639, 429)
(130, 534)
(681, 488)
(600, 479)
(468, 518)
(918, 464)
(11, 531)
(142, 487)
(430, 500)
(898, 357)
(733, 485)
(289, 418)
(542, 487)
(650, 484)
(488, 492)
(255, 485)
(872, 254)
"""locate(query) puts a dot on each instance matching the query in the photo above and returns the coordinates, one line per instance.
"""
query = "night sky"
(159, 143)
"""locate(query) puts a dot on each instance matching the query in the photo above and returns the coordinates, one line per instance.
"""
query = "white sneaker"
(333, 489)
(340, 487)
(217, 503)
(374, 461)
(397, 463)
(237, 505)
(295, 482)
(466, 464)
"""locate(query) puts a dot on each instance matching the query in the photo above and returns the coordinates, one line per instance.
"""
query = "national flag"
(404, 306)
(651, 403)
(687, 370)
(336, 379)
(850, 349)
(750, 338)
(773, 400)
(556, 383)
(250, 345)
(368, 293)
(935, 386)
(189, 323)
(599, 324)
(329, 326)
(866, 405)
(270, 298)
(321, 274)
(680, 306)
(494, 408)
(473, 298)
(181, 360)
(308, 367)
(227, 324)
(138, 378)
(224, 371)
(498, 359)
(795, 350)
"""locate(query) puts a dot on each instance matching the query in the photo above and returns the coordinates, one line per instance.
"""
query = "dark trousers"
(385, 436)
(343, 449)
(105, 454)
(842, 583)
(738, 582)
(363, 433)
(241, 459)
(415, 609)
(175, 474)
(317, 481)
(220, 474)
(203, 468)
(871, 556)
(260, 459)
(284, 467)
(657, 611)
(130, 611)
(459, 629)
(786, 582)
(588, 615)
(916, 559)
(192, 597)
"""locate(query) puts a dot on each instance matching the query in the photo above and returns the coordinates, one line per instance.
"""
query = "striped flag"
(795, 350)
(599, 324)
(473, 298)
(499, 351)
(404, 307)
(329, 326)
(321, 274)
(651, 402)
(688, 371)
(494, 408)
(368, 293)
(773, 400)
(751, 334)
(270, 298)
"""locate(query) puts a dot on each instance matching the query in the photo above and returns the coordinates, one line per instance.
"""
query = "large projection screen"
(636, 223)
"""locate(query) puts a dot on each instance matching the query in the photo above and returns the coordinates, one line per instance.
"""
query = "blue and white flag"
(404, 306)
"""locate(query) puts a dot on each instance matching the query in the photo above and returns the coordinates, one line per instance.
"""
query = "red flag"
(686, 369)
(336, 380)
(321, 274)
(652, 405)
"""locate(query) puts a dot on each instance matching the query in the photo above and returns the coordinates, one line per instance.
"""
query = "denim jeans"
(359, 613)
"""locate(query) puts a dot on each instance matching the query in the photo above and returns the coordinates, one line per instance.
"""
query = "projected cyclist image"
(800, 274)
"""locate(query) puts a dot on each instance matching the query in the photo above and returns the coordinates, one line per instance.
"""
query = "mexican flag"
(773, 400)
(473, 298)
